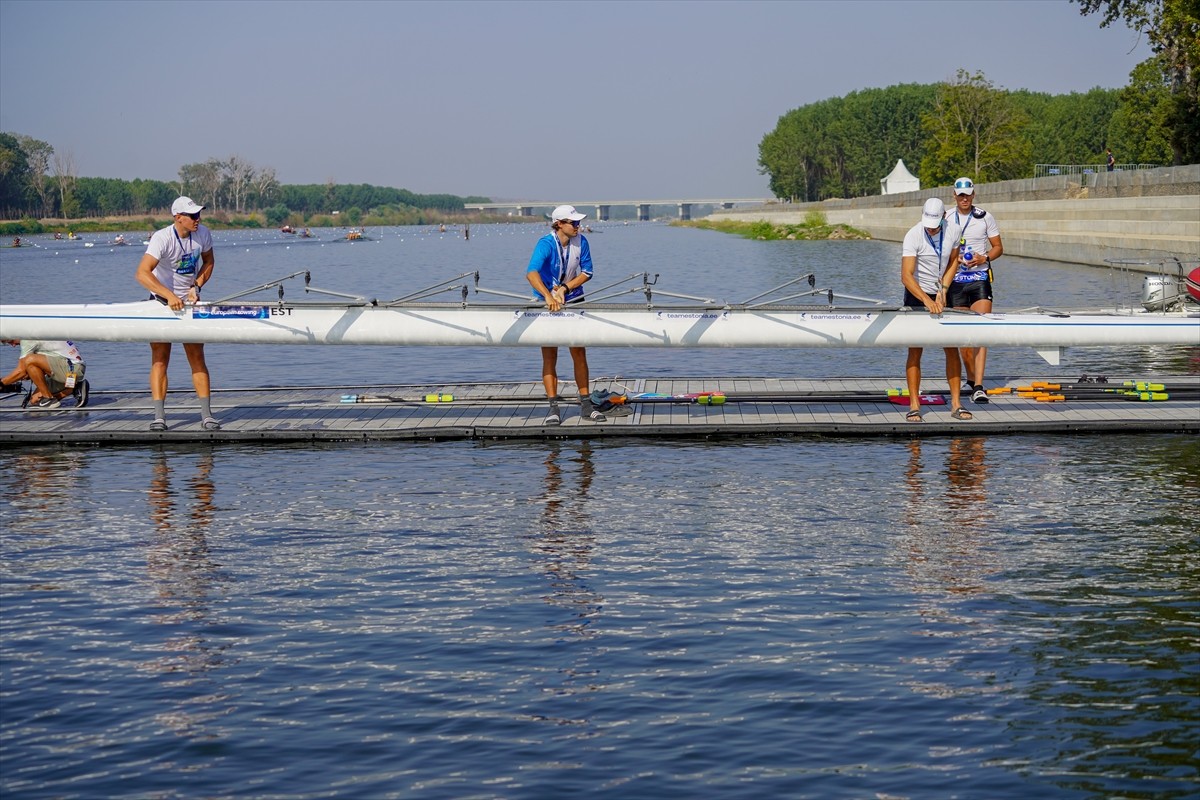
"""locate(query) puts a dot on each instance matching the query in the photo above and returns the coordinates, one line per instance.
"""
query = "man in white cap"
(559, 267)
(178, 261)
(926, 269)
(974, 231)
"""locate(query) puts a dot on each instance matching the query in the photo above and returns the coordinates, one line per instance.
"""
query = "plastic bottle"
(965, 253)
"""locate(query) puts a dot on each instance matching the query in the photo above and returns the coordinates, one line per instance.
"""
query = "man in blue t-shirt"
(559, 267)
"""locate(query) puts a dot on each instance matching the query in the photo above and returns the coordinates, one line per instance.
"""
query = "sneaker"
(47, 403)
(81, 393)
(10, 388)
(980, 396)
(159, 424)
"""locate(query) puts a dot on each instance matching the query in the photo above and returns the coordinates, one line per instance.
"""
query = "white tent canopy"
(899, 180)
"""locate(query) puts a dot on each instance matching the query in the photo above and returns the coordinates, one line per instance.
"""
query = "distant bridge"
(525, 208)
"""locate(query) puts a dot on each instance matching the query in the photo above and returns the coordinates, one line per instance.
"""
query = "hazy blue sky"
(516, 100)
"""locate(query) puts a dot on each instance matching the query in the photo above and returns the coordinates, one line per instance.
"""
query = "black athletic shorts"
(962, 295)
(912, 301)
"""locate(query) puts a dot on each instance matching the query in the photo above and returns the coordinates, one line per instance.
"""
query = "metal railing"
(1042, 170)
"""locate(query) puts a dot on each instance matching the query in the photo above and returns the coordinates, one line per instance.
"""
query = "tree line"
(36, 182)
(843, 146)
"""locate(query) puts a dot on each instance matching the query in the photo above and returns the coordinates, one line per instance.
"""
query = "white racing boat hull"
(599, 326)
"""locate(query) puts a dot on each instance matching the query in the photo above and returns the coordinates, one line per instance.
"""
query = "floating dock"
(750, 407)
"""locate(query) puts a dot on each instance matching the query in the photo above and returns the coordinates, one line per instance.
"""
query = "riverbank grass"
(814, 226)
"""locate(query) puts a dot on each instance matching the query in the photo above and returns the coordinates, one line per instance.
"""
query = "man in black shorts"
(975, 233)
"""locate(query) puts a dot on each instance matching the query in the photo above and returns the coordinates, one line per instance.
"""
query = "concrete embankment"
(1147, 215)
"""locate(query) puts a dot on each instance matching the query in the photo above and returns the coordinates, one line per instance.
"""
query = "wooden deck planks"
(504, 410)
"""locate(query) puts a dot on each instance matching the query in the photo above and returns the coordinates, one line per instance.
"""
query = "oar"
(1124, 394)
(704, 398)
(719, 399)
(1139, 386)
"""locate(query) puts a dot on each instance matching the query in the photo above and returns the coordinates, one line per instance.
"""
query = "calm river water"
(975, 617)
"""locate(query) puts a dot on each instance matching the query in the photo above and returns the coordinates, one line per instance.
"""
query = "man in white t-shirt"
(973, 230)
(926, 270)
(177, 263)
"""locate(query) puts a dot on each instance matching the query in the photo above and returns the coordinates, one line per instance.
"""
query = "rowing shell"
(614, 325)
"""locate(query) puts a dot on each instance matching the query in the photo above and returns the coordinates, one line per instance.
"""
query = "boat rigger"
(412, 321)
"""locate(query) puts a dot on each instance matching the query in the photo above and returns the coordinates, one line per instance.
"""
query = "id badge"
(70, 381)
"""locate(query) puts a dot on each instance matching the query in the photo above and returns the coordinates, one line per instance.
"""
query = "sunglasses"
(574, 223)
(195, 216)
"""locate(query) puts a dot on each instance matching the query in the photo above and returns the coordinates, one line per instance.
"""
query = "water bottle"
(965, 254)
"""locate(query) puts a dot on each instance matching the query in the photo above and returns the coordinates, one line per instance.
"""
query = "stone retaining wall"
(1144, 215)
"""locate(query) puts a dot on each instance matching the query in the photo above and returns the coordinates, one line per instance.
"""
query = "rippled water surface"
(1000, 617)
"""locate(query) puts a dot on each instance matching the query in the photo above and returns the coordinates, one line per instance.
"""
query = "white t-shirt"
(66, 350)
(932, 252)
(977, 231)
(179, 258)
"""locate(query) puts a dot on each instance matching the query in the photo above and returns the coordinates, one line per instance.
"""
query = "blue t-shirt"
(558, 264)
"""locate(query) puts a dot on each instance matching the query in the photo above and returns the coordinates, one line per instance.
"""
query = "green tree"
(37, 156)
(1071, 128)
(277, 215)
(14, 176)
(1172, 28)
(1139, 130)
(975, 130)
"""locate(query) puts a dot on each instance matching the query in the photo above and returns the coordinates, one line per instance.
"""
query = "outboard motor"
(1160, 293)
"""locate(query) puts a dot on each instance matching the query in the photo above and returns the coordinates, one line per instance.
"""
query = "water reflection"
(39, 481)
(179, 561)
(564, 542)
(563, 546)
(946, 520)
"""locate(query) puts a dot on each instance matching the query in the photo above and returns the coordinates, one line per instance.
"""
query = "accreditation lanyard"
(187, 251)
(962, 232)
(937, 248)
(564, 252)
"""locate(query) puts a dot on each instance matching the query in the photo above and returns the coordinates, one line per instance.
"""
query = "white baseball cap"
(566, 212)
(933, 213)
(964, 186)
(185, 205)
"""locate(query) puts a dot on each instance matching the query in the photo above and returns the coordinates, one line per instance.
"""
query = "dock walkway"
(853, 407)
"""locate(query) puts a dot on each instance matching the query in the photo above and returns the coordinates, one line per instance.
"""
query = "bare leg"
(37, 371)
(968, 361)
(912, 374)
(976, 366)
(550, 370)
(200, 379)
(954, 376)
(582, 378)
(160, 357)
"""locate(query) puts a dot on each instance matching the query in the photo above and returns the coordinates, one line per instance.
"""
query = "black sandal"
(913, 416)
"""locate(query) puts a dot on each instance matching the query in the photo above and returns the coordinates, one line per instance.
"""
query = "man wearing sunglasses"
(559, 267)
(178, 261)
(976, 238)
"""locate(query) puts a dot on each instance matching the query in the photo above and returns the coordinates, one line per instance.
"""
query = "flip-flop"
(962, 414)
(913, 416)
